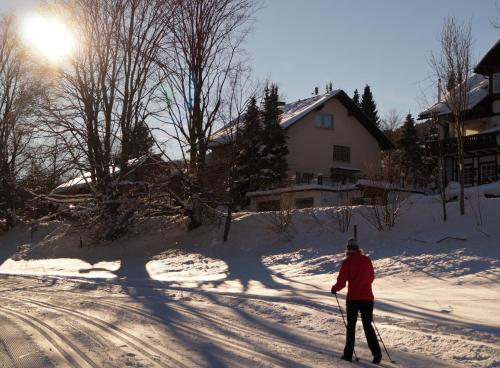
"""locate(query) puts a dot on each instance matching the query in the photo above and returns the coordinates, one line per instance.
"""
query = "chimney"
(439, 90)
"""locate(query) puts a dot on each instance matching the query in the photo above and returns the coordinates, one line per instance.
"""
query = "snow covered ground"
(164, 297)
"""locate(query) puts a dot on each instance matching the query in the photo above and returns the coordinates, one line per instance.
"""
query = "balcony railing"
(471, 143)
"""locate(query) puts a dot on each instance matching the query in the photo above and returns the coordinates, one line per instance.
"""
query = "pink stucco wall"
(311, 148)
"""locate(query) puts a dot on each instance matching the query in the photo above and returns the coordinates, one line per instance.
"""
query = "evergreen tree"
(355, 97)
(141, 141)
(368, 106)
(274, 149)
(411, 151)
(430, 160)
(248, 161)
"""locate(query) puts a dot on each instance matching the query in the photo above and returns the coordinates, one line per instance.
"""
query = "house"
(143, 170)
(331, 144)
(482, 125)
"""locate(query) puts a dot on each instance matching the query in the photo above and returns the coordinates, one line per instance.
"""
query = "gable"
(295, 112)
(490, 62)
(303, 108)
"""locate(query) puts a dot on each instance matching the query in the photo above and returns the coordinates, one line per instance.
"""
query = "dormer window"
(496, 83)
(324, 121)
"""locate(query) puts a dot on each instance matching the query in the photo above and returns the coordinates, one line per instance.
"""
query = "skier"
(357, 271)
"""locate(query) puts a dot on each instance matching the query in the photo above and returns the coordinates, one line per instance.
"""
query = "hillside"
(437, 287)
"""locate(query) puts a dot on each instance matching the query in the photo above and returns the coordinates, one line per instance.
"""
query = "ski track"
(230, 329)
(188, 329)
(18, 348)
(236, 337)
(148, 351)
(71, 353)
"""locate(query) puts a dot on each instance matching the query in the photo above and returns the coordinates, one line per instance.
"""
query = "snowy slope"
(263, 298)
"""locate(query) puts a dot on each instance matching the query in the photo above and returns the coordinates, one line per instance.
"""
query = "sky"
(300, 44)
(386, 44)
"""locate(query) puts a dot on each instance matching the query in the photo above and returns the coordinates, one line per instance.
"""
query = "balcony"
(476, 142)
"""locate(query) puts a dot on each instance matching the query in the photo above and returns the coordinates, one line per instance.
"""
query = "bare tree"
(204, 52)
(391, 121)
(109, 87)
(342, 212)
(453, 65)
(385, 200)
(496, 22)
(440, 169)
(390, 158)
(242, 90)
(19, 91)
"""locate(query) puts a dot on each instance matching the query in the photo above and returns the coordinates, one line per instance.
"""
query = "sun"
(49, 36)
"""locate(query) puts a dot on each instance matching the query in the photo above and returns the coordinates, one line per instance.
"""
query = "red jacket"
(357, 270)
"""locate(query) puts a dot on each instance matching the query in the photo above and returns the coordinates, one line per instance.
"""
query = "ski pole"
(347, 332)
(378, 333)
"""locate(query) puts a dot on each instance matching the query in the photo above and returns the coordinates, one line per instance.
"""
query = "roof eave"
(483, 67)
(384, 142)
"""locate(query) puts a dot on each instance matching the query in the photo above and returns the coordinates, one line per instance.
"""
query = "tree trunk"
(227, 225)
(461, 174)
(442, 180)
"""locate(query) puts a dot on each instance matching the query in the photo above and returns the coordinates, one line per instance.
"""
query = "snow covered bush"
(341, 217)
(280, 221)
(384, 216)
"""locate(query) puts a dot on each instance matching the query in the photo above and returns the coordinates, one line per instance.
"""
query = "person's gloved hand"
(333, 291)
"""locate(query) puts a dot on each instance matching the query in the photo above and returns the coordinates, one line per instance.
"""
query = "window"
(304, 202)
(496, 83)
(298, 178)
(324, 121)
(269, 205)
(341, 153)
(303, 178)
(307, 178)
(488, 173)
(468, 176)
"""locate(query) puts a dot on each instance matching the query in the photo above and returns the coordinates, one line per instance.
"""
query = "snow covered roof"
(489, 63)
(295, 111)
(82, 180)
(478, 91)
(303, 188)
(78, 182)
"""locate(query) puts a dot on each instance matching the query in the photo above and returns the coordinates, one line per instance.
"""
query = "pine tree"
(248, 160)
(274, 148)
(141, 141)
(430, 160)
(411, 151)
(368, 106)
(355, 97)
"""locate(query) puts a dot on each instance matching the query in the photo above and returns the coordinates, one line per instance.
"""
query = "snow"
(295, 111)
(165, 297)
(478, 91)
(82, 180)
(292, 112)
(304, 187)
(76, 183)
(492, 189)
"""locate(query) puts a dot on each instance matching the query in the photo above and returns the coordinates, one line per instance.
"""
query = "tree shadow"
(428, 315)
(156, 298)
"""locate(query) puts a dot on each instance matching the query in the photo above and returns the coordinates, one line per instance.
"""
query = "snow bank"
(485, 190)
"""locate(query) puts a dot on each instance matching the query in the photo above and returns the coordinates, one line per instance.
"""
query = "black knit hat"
(352, 244)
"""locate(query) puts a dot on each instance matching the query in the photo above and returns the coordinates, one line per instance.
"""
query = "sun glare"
(49, 36)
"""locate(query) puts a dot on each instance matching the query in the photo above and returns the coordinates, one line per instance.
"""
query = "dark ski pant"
(365, 307)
